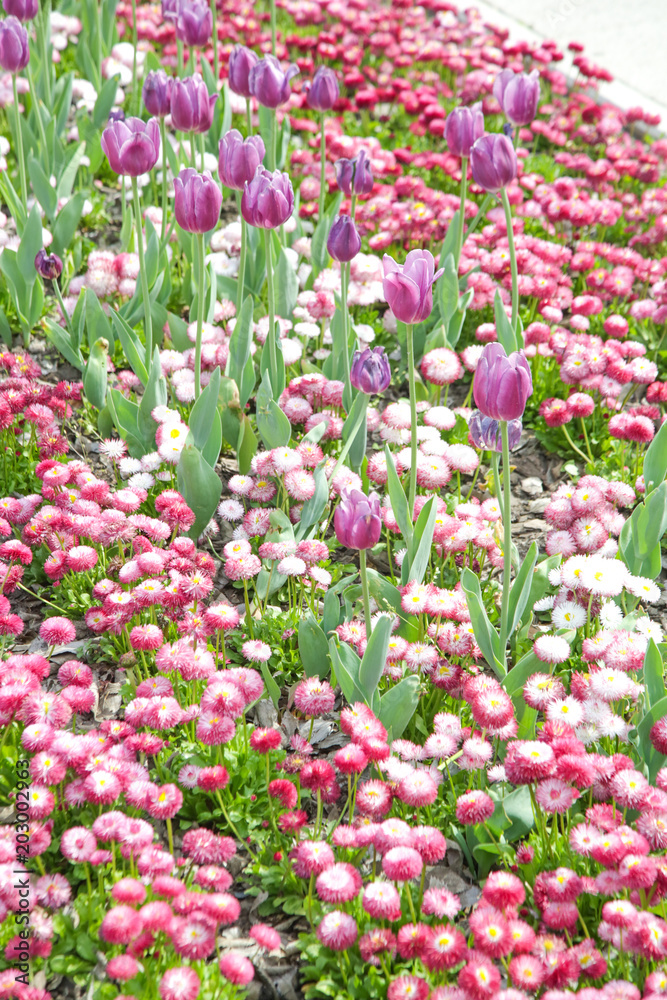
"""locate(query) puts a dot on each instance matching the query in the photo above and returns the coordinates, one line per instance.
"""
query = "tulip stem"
(216, 61)
(200, 310)
(38, 113)
(19, 147)
(135, 46)
(323, 168)
(56, 289)
(412, 486)
(272, 5)
(272, 310)
(347, 388)
(462, 211)
(145, 294)
(179, 50)
(163, 142)
(512, 250)
(248, 115)
(244, 247)
(507, 541)
(364, 591)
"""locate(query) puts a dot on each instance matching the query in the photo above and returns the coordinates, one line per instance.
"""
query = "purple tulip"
(193, 21)
(14, 49)
(269, 84)
(344, 242)
(493, 161)
(370, 372)
(191, 105)
(197, 201)
(241, 61)
(24, 10)
(357, 521)
(116, 115)
(485, 432)
(408, 288)
(463, 127)
(518, 94)
(48, 265)
(355, 174)
(502, 384)
(170, 9)
(323, 91)
(268, 199)
(156, 93)
(133, 146)
(238, 159)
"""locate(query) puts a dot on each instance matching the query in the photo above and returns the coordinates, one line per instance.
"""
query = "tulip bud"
(357, 521)
(268, 199)
(323, 91)
(238, 159)
(269, 84)
(502, 384)
(462, 129)
(241, 61)
(485, 432)
(197, 201)
(354, 175)
(518, 94)
(133, 146)
(191, 105)
(344, 242)
(14, 49)
(408, 287)
(24, 10)
(493, 161)
(116, 115)
(370, 372)
(48, 265)
(194, 23)
(156, 93)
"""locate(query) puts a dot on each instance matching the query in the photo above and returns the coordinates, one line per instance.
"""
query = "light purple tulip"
(502, 383)
(408, 287)
(132, 146)
(518, 94)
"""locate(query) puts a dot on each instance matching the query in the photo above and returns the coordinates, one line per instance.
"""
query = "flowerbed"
(285, 709)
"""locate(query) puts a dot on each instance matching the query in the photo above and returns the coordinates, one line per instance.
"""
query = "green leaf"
(398, 705)
(655, 461)
(313, 509)
(200, 487)
(520, 590)
(125, 415)
(178, 331)
(313, 648)
(319, 255)
(450, 241)
(95, 374)
(134, 350)
(506, 335)
(654, 674)
(287, 285)
(274, 428)
(345, 664)
(639, 541)
(271, 686)
(31, 243)
(375, 657)
(202, 414)
(485, 634)
(240, 343)
(422, 542)
(246, 446)
(399, 501)
(652, 759)
(60, 339)
(155, 394)
(66, 223)
(447, 289)
(514, 683)
(97, 322)
(70, 170)
(46, 195)
(104, 103)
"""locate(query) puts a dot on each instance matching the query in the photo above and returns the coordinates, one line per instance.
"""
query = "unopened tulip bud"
(355, 175)
(191, 105)
(268, 199)
(323, 91)
(132, 146)
(358, 521)
(518, 94)
(493, 161)
(408, 288)
(370, 372)
(156, 93)
(48, 265)
(194, 23)
(269, 83)
(464, 126)
(24, 10)
(502, 384)
(241, 61)
(485, 432)
(14, 49)
(197, 201)
(238, 159)
(344, 242)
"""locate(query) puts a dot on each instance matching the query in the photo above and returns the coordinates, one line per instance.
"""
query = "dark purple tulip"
(14, 49)
(241, 61)
(133, 146)
(238, 159)
(493, 161)
(156, 93)
(408, 288)
(323, 91)
(355, 174)
(24, 10)
(462, 128)
(518, 94)
(344, 242)
(357, 521)
(269, 84)
(485, 432)
(191, 105)
(268, 199)
(193, 22)
(116, 115)
(48, 265)
(502, 384)
(370, 372)
(197, 201)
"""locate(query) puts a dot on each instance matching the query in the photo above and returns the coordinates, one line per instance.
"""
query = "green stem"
(272, 4)
(56, 289)
(248, 616)
(244, 249)
(216, 60)
(19, 147)
(588, 444)
(510, 244)
(135, 45)
(507, 541)
(412, 491)
(201, 295)
(323, 167)
(44, 35)
(248, 115)
(193, 157)
(148, 322)
(347, 388)
(163, 141)
(572, 444)
(462, 209)
(179, 50)
(38, 113)
(365, 592)
(273, 153)
(202, 151)
(273, 355)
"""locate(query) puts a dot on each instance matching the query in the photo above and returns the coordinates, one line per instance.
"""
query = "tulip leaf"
(155, 394)
(313, 648)
(514, 684)
(246, 446)
(31, 242)
(125, 415)
(60, 339)
(399, 501)
(345, 664)
(240, 342)
(277, 378)
(505, 333)
(319, 255)
(415, 567)
(97, 321)
(46, 195)
(313, 509)
(375, 657)
(202, 414)
(639, 540)
(654, 674)
(199, 486)
(485, 633)
(447, 290)
(652, 759)
(450, 241)
(521, 587)
(655, 461)
(398, 705)
(95, 374)
(274, 428)
(134, 350)
(287, 285)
